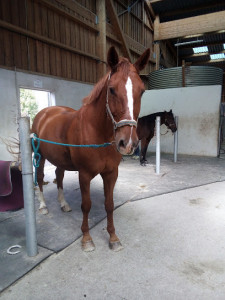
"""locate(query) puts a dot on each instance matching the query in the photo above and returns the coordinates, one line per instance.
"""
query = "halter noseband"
(121, 123)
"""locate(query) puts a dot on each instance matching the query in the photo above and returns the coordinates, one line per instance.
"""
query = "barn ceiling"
(187, 24)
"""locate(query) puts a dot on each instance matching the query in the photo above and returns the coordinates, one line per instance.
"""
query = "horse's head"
(170, 121)
(124, 92)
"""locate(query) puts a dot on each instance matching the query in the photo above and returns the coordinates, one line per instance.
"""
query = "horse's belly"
(60, 160)
(94, 161)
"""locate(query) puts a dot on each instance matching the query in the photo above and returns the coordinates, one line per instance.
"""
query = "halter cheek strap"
(121, 123)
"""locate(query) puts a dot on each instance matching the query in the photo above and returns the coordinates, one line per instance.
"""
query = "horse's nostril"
(122, 144)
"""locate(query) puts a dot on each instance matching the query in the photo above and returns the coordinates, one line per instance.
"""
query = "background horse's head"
(124, 92)
(170, 121)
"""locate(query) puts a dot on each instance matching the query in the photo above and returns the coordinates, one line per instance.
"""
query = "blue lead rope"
(69, 145)
(37, 156)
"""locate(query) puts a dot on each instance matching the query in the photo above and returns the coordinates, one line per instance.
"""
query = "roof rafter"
(189, 26)
(193, 9)
(202, 54)
(116, 24)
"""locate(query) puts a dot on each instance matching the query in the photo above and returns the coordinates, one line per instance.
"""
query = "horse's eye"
(112, 91)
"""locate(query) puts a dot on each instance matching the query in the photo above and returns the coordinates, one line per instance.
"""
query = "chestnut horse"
(146, 129)
(109, 114)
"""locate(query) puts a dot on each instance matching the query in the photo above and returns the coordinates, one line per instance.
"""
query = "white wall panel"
(198, 112)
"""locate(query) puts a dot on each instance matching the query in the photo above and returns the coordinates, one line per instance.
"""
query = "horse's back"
(50, 115)
(52, 112)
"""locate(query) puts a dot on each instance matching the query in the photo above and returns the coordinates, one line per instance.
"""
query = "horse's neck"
(101, 121)
(161, 115)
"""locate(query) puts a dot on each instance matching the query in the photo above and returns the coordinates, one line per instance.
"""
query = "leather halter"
(121, 123)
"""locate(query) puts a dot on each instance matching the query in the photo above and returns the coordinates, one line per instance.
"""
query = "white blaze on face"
(130, 102)
(129, 88)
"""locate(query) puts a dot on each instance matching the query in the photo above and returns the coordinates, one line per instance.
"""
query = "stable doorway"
(32, 101)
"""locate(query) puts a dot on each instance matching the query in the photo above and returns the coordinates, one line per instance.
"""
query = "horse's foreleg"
(59, 179)
(85, 179)
(109, 180)
(40, 176)
(144, 147)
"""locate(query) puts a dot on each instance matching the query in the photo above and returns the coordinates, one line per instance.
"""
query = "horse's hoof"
(88, 246)
(43, 210)
(116, 246)
(66, 208)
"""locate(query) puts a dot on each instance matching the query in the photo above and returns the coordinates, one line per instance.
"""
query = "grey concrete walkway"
(172, 227)
(174, 249)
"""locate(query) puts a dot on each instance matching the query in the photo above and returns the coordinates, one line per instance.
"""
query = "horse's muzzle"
(126, 140)
(127, 148)
(173, 129)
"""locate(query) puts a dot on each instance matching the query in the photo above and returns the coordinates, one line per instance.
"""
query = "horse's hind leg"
(40, 176)
(59, 179)
(109, 180)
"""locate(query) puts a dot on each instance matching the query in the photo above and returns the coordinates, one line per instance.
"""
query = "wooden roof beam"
(202, 54)
(149, 15)
(116, 24)
(189, 26)
(148, 3)
(212, 61)
(155, 1)
(101, 37)
(192, 9)
(187, 46)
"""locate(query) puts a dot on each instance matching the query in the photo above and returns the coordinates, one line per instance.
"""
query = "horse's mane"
(122, 65)
(94, 94)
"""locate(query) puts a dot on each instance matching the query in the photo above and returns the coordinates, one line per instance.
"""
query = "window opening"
(32, 101)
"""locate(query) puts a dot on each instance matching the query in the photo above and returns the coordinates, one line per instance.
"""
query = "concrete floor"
(172, 227)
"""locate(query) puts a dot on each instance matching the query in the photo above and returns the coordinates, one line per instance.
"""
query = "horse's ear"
(142, 60)
(171, 110)
(112, 58)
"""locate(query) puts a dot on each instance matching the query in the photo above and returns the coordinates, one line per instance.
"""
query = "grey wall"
(198, 112)
(67, 93)
(197, 108)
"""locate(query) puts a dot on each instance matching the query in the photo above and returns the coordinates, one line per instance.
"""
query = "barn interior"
(172, 223)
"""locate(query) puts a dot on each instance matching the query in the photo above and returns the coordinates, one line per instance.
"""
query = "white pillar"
(28, 187)
(175, 149)
(157, 126)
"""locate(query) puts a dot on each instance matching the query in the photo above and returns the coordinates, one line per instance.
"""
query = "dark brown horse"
(109, 114)
(146, 129)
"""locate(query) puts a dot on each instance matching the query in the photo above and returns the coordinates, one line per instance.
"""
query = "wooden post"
(101, 39)
(157, 55)
(156, 45)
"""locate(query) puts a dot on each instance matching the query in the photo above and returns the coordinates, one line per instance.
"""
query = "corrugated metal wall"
(187, 77)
